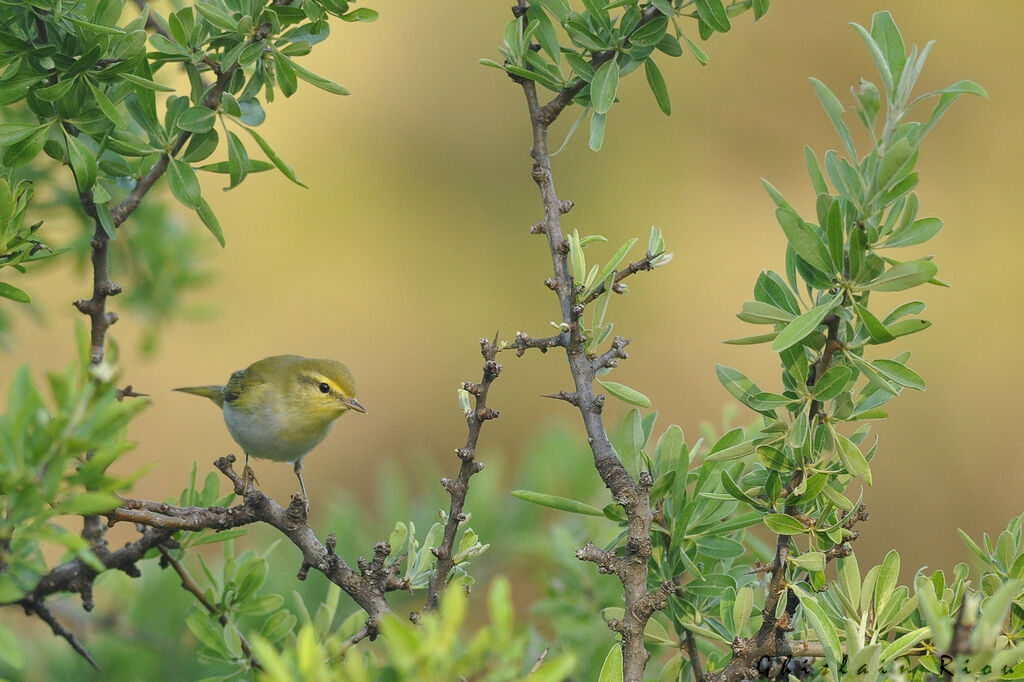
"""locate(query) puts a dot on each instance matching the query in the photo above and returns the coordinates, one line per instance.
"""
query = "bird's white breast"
(264, 435)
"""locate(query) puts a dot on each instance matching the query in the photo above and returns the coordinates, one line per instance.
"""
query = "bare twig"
(458, 488)
(189, 584)
(34, 607)
(690, 642)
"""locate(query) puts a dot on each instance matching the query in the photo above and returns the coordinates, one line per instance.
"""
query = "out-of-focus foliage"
(54, 461)
(605, 42)
(94, 86)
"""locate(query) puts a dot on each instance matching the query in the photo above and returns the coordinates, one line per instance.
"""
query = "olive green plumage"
(281, 407)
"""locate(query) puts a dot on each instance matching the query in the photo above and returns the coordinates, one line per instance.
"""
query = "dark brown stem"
(35, 607)
(367, 586)
(832, 345)
(690, 642)
(770, 639)
(190, 585)
(458, 488)
(643, 264)
(102, 286)
(634, 496)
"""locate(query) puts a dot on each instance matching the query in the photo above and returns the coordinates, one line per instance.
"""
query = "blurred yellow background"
(411, 242)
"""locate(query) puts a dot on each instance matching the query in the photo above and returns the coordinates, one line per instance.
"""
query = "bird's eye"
(324, 388)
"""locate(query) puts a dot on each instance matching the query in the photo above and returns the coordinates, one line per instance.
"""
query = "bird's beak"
(353, 404)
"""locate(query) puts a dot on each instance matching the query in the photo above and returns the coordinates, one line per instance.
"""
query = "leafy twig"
(632, 495)
(189, 584)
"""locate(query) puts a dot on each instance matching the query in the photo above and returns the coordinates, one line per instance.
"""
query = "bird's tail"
(214, 393)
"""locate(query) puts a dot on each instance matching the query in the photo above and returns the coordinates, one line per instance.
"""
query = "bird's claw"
(248, 480)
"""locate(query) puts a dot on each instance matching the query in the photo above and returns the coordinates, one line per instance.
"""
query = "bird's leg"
(302, 484)
(248, 475)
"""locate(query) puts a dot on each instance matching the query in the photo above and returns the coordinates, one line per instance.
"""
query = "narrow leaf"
(604, 86)
(798, 329)
(625, 393)
(555, 502)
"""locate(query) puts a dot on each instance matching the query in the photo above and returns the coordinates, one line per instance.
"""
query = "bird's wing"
(244, 381)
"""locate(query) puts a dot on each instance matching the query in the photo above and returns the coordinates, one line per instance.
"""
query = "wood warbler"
(281, 407)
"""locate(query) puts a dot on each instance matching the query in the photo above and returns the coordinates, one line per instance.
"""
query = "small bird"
(281, 407)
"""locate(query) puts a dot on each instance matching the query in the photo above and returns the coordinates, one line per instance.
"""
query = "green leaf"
(899, 647)
(784, 524)
(751, 340)
(832, 384)
(604, 86)
(821, 625)
(184, 183)
(217, 17)
(14, 293)
(734, 490)
(198, 119)
(7, 204)
(559, 9)
(210, 220)
(317, 80)
(713, 13)
(873, 375)
(625, 393)
(805, 240)
(802, 326)
(809, 561)
(852, 458)
(106, 106)
(903, 276)
(834, 110)
(224, 167)
(611, 670)
(238, 160)
(800, 427)
(877, 332)
(15, 132)
(597, 123)
(887, 36)
(730, 453)
(771, 288)
(611, 265)
(736, 383)
(899, 373)
(757, 312)
(897, 161)
(657, 84)
(650, 33)
(11, 652)
(555, 502)
(83, 162)
(106, 219)
(546, 34)
(90, 503)
(916, 233)
(770, 401)
(364, 14)
(274, 158)
(145, 82)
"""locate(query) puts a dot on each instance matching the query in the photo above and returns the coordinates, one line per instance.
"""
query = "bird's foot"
(248, 479)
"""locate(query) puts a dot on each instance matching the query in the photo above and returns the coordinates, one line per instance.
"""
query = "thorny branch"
(367, 586)
(632, 495)
(458, 488)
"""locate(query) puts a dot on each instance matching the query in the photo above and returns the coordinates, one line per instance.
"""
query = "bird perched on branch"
(281, 407)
